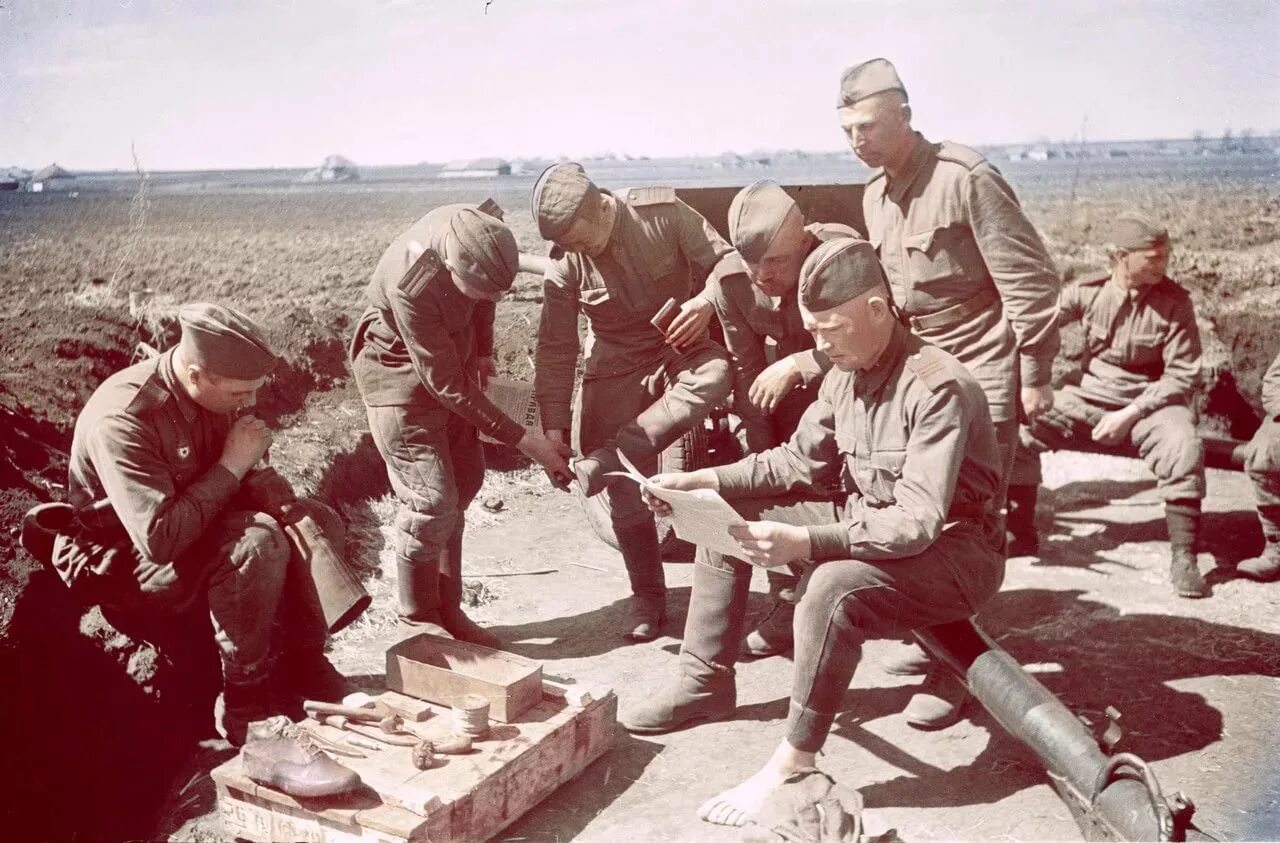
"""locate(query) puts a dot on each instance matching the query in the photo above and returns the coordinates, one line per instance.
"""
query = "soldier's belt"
(955, 313)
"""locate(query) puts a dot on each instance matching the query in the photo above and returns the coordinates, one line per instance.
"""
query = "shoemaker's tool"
(337, 747)
(385, 720)
(395, 738)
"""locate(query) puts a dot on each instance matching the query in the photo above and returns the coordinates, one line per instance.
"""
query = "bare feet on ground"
(740, 803)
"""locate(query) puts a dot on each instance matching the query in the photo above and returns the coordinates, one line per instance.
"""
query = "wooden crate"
(444, 671)
(468, 797)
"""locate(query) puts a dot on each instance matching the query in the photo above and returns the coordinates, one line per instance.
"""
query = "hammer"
(378, 714)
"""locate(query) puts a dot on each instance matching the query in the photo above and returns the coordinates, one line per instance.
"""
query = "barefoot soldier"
(625, 255)
(1263, 466)
(968, 270)
(165, 519)
(421, 354)
(1141, 371)
(756, 301)
(904, 430)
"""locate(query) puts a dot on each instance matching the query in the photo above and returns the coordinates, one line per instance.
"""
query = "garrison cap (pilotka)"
(837, 271)
(225, 342)
(755, 215)
(1134, 231)
(557, 196)
(868, 79)
(482, 251)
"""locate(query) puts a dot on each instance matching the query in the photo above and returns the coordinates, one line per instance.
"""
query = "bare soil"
(1196, 681)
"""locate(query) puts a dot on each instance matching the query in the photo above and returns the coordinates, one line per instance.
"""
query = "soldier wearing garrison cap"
(776, 370)
(421, 355)
(965, 265)
(619, 258)
(160, 480)
(902, 429)
(1141, 370)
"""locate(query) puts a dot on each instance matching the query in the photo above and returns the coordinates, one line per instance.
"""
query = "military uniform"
(414, 355)
(968, 270)
(161, 525)
(1142, 349)
(638, 393)
(1263, 466)
(912, 539)
(752, 321)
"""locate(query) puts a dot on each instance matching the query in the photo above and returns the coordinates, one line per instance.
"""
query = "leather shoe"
(281, 755)
(648, 613)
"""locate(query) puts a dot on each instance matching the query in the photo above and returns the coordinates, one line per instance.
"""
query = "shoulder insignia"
(960, 154)
(929, 364)
(639, 197)
(426, 267)
(491, 208)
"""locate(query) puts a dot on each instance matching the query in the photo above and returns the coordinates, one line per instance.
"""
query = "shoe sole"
(697, 720)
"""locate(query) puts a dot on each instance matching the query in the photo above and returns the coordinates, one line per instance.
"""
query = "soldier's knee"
(257, 540)
(719, 379)
(835, 588)
(424, 534)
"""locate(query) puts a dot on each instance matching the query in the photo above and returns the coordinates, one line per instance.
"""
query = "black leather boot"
(1022, 538)
(705, 689)
(419, 591)
(638, 544)
(240, 704)
(454, 619)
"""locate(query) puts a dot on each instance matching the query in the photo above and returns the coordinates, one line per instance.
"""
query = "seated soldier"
(165, 518)
(1140, 373)
(625, 256)
(755, 298)
(904, 429)
(1263, 466)
(421, 355)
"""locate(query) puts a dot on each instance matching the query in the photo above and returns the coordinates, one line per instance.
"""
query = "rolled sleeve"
(1021, 268)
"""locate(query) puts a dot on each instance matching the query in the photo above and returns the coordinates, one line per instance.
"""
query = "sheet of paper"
(699, 517)
(515, 399)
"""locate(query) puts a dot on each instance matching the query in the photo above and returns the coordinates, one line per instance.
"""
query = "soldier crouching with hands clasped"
(905, 430)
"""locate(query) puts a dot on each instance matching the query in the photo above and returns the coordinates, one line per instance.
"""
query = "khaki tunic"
(660, 249)
(911, 445)
(418, 342)
(949, 230)
(1262, 461)
(750, 318)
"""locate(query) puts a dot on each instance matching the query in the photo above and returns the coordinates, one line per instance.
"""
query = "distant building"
(1041, 153)
(51, 178)
(335, 168)
(13, 178)
(475, 168)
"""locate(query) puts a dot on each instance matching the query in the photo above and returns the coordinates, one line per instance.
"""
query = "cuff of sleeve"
(1035, 372)
(733, 479)
(828, 541)
(509, 431)
(556, 417)
(218, 484)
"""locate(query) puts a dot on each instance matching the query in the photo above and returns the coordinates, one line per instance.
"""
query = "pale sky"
(201, 84)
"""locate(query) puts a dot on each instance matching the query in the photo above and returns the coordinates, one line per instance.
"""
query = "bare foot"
(739, 804)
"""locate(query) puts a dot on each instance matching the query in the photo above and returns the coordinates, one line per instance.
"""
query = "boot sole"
(696, 720)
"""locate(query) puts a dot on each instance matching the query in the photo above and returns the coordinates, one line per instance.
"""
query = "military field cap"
(1132, 230)
(837, 271)
(482, 251)
(225, 342)
(868, 79)
(755, 215)
(557, 196)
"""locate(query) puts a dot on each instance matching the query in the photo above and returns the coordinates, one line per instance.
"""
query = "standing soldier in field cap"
(625, 256)
(903, 429)
(756, 299)
(1141, 371)
(166, 515)
(421, 355)
(1263, 466)
(967, 269)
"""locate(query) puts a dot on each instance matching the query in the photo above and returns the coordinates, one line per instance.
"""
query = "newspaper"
(515, 399)
(699, 517)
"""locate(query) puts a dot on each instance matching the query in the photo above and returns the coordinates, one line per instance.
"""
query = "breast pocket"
(1145, 347)
(940, 255)
(879, 473)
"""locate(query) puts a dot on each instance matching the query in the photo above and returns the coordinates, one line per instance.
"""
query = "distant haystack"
(51, 178)
(335, 168)
(476, 168)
